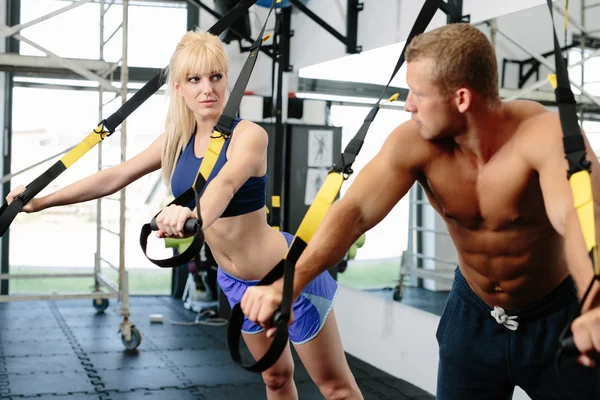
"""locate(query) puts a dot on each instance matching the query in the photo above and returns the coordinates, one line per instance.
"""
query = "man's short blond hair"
(462, 56)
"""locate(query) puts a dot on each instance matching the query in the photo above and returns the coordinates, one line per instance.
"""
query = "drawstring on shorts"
(503, 319)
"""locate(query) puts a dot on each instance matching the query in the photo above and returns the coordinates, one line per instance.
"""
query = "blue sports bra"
(250, 197)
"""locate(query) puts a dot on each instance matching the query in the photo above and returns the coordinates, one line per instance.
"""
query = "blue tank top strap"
(250, 197)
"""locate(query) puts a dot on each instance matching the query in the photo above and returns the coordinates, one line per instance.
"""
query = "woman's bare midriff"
(245, 246)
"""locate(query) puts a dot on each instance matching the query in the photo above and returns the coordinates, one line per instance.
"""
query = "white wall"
(394, 337)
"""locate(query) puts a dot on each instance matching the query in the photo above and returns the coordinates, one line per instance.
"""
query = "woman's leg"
(325, 360)
(279, 379)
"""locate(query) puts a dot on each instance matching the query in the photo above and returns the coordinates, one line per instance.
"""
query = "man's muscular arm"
(542, 147)
(373, 194)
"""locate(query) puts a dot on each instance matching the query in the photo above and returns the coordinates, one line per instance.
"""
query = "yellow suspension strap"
(221, 132)
(340, 171)
(106, 128)
(274, 221)
(578, 173)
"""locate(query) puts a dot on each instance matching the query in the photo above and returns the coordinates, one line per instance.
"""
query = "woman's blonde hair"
(197, 53)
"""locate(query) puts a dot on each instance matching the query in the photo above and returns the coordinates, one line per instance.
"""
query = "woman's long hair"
(197, 53)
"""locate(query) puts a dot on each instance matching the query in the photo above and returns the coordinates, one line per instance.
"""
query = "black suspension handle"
(568, 347)
(9, 212)
(276, 317)
(191, 225)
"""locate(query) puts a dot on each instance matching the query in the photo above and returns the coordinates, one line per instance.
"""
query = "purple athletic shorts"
(310, 309)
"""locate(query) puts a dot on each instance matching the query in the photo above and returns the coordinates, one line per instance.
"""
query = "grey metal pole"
(123, 200)
(582, 43)
(98, 256)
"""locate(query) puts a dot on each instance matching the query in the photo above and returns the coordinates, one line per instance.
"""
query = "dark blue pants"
(481, 358)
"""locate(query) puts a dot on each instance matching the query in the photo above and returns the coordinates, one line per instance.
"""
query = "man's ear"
(463, 98)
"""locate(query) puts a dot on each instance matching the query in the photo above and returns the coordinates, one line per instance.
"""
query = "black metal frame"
(284, 34)
(281, 45)
(349, 89)
(590, 41)
(265, 48)
(193, 18)
(13, 17)
(419, 211)
(529, 66)
(454, 11)
(354, 7)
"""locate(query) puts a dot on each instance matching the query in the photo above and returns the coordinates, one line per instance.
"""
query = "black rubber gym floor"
(65, 350)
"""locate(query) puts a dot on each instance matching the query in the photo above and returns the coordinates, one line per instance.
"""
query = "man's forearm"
(339, 230)
(578, 259)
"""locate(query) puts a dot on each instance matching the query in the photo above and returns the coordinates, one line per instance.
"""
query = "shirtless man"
(496, 173)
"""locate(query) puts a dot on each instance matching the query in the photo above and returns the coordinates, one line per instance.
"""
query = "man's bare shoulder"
(407, 148)
(530, 120)
(525, 110)
(538, 136)
(544, 125)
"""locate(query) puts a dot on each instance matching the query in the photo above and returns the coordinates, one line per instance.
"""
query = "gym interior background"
(66, 65)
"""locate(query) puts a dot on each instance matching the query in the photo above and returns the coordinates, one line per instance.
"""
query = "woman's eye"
(193, 79)
(217, 77)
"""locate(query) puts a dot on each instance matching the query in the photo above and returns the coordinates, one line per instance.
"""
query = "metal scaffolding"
(130, 335)
(102, 72)
(587, 102)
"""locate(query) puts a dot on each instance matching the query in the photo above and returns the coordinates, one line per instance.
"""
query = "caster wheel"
(397, 294)
(342, 266)
(136, 339)
(100, 305)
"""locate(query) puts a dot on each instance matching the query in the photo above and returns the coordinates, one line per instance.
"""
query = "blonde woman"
(232, 210)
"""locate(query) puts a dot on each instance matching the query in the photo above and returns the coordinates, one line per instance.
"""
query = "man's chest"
(495, 196)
